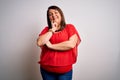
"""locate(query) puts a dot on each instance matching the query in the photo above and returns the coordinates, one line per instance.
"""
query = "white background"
(97, 21)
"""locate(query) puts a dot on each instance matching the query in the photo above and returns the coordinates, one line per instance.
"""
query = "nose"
(53, 16)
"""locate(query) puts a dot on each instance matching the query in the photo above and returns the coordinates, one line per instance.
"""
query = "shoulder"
(46, 27)
(70, 26)
(44, 30)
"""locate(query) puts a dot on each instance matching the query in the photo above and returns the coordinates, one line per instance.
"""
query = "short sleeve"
(71, 31)
(44, 31)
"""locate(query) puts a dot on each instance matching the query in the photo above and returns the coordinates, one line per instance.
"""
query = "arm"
(44, 38)
(66, 45)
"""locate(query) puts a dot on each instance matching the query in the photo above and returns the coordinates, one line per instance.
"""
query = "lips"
(55, 19)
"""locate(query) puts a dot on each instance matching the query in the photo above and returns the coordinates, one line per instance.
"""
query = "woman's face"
(54, 16)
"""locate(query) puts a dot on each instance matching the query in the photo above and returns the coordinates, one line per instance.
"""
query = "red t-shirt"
(56, 58)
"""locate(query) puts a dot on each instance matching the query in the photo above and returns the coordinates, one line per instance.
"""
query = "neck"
(58, 28)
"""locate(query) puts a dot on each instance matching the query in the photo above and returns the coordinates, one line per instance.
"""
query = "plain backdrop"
(97, 21)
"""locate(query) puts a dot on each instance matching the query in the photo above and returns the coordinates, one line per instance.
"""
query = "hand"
(48, 44)
(54, 26)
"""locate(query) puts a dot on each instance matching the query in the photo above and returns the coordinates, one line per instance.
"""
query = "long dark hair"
(63, 23)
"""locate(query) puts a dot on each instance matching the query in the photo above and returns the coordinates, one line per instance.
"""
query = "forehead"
(53, 10)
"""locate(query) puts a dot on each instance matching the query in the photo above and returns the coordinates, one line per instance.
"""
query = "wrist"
(50, 30)
(49, 45)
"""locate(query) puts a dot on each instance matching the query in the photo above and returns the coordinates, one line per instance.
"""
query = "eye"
(50, 14)
(56, 12)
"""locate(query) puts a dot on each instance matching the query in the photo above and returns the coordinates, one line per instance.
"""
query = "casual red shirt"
(59, 59)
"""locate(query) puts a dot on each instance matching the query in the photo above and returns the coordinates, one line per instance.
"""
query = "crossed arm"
(66, 45)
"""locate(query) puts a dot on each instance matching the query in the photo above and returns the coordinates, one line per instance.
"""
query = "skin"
(55, 19)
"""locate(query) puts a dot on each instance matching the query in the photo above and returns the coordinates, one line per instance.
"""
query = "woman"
(58, 42)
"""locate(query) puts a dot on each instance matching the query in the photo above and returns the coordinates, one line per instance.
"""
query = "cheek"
(50, 17)
(60, 18)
